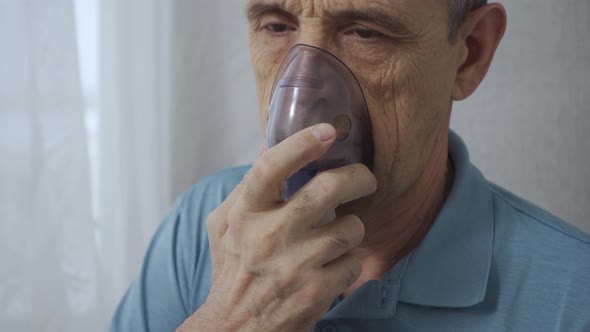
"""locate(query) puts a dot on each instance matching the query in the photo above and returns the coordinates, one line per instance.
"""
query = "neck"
(409, 217)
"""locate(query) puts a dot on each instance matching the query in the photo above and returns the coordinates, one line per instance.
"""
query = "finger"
(341, 273)
(217, 226)
(331, 241)
(217, 220)
(265, 179)
(327, 190)
(234, 196)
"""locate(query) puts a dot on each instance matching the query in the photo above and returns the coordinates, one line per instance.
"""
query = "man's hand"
(274, 267)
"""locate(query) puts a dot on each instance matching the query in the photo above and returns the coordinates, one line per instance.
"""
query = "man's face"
(398, 49)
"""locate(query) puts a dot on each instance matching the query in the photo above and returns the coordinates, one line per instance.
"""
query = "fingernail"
(323, 132)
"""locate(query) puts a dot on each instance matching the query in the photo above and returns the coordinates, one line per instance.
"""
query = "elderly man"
(421, 240)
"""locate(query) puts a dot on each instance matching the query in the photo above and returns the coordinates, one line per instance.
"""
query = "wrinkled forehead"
(409, 9)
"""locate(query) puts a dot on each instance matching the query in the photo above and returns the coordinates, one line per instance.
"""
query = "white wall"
(528, 125)
(525, 127)
(212, 90)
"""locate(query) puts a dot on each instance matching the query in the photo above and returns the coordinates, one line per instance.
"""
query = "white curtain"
(527, 125)
(48, 276)
(177, 101)
(133, 135)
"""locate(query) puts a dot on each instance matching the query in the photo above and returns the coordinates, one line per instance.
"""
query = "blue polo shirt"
(491, 262)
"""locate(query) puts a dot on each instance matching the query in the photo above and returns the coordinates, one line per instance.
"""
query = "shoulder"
(532, 241)
(190, 238)
(206, 195)
(176, 270)
(539, 261)
(220, 181)
(523, 214)
(195, 204)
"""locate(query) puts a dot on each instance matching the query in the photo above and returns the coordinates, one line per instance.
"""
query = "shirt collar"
(450, 268)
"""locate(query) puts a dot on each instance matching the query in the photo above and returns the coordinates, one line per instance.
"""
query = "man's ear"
(478, 38)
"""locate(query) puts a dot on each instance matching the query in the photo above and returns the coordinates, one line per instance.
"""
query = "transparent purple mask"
(313, 86)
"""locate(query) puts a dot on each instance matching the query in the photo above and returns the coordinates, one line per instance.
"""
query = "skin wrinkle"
(409, 87)
(399, 80)
(395, 111)
(389, 91)
(394, 147)
(456, 12)
(408, 84)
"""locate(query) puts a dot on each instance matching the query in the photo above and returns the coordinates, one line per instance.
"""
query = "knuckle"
(253, 260)
(285, 282)
(216, 224)
(233, 217)
(240, 222)
(261, 169)
(213, 220)
(236, 227)
(271, 234)
(339, 240)
(255, 238)
(306, 200)
(328, 184)
(294, 212)
(320, 193)
(261, 253)
(359, 174)
(302, 204)
(259, 248)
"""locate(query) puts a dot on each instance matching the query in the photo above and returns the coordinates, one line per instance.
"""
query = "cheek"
(387, 76)
(404, 97)
(390, 87)
(266, 58)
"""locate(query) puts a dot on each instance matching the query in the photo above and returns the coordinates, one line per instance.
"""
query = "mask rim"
(333, 56)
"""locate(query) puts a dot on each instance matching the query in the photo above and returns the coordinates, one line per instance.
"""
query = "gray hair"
(458, 9)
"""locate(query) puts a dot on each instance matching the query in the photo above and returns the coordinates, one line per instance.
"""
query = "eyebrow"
(257, 10)
(393, 23)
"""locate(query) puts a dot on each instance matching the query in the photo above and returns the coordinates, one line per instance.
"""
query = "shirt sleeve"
(176, 273)
(156, 301)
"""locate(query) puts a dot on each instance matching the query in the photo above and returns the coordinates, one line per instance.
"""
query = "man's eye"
(365, 33)
(277, 28)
